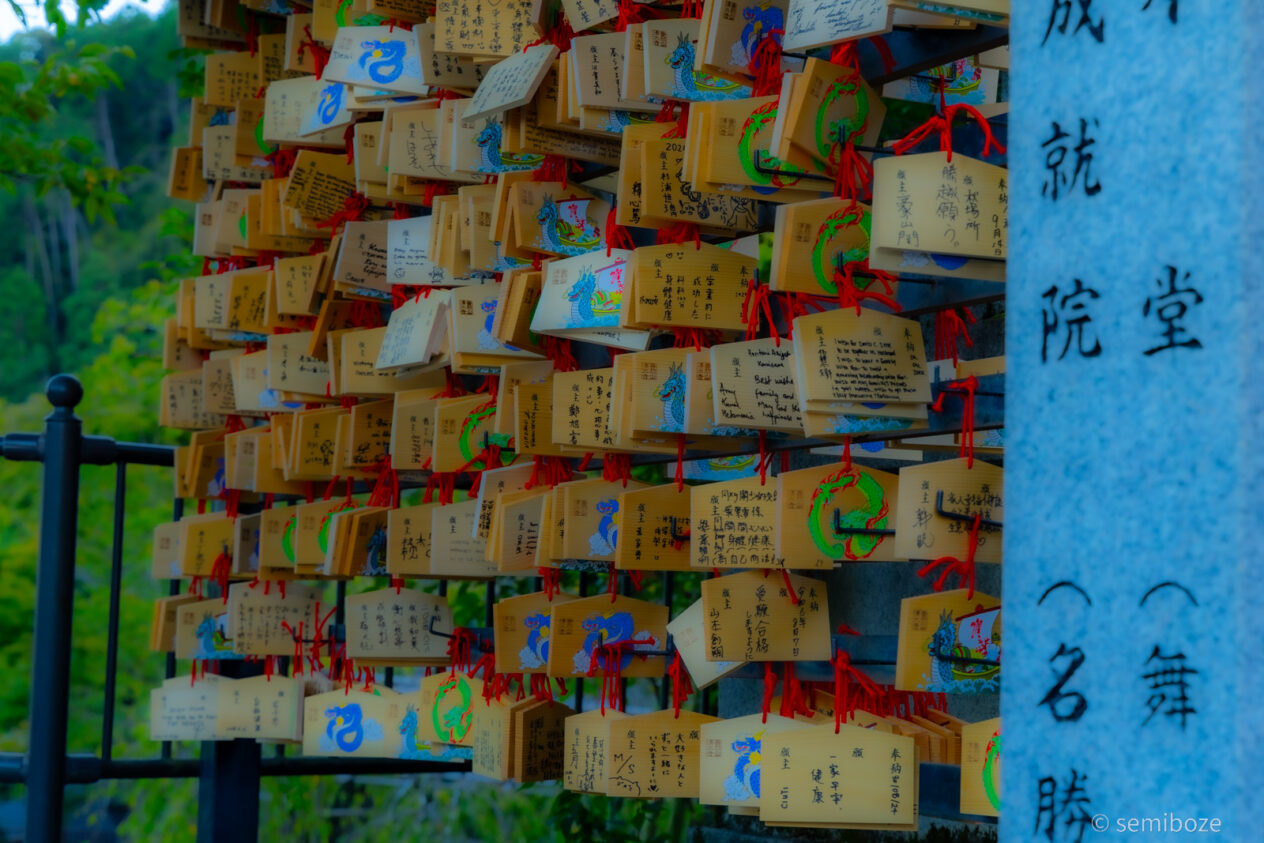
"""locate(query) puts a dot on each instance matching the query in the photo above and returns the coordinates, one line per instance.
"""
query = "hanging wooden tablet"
(202, 631)
(751, 616)
(368, 530)
(731, 31)
(181, 403)
(829, 231)
(755, 387)
(670, 60)
(412, 429)
(587, 738)
(408, 540)
(415, 332)
(667, 198)
(656, 755)
(245, 564)
(511, 375)
(311, 532)
(654, 529)
(493, 483)
(810, 23)
(734, 525)
(694, 287)
(981, 768)
(353, 723)
(925, 203)
(829, 106)
(842, 356)
(923, 533)
(493, 740)
(593, 518)
(556, 219)
(519, 520)
(384, 57)
(858, 776)
(504, 31)
(256, 615)
(731, 767)
(522, 631)
(459, 427)
(454, 552)
(203, 538)
(262, 708)
(291, 369)
(735, 136)
(950, 642)
(690, 635)
(162, 634)
(580, 626)
(581, 402)
(179, 712)
(817, 506)
(313, 443)
(387, 627)
(475, 347)
(539, 740)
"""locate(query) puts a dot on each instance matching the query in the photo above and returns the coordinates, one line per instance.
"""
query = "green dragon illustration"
(872, 516)
(845, 217)
(836, 132)
(452, 723)
(750, 156)
(991, 759)
(471, 423)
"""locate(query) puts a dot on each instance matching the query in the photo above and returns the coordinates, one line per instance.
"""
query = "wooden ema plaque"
(857, 778)
(656, 755)
(751, 616)
(732, 758)
(386, 627)
(981, 768)
(924, 531)
(523, 631)
(579, 627)
(817, 506)
(586, 750)
(950, 642)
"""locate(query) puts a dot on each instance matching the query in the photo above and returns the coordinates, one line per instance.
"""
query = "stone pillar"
(1133, 618)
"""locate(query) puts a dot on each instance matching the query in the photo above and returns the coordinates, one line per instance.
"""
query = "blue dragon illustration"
(536, 653)
(760, 18)
(673, 394)
(330, 103)
(374, 566)
(602, 542)
(486, 339)
(591, 306)
(346, 726)
(606, 629)
(212, 643)
(490, 158)
(743, 784)
(689, 84)
(384, 60)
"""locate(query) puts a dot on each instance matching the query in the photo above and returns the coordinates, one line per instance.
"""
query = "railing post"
(228, 786)
(54, 585)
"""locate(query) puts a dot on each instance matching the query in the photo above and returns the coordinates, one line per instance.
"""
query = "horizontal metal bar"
(87, 769)
(21, 447)
(95, 450)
